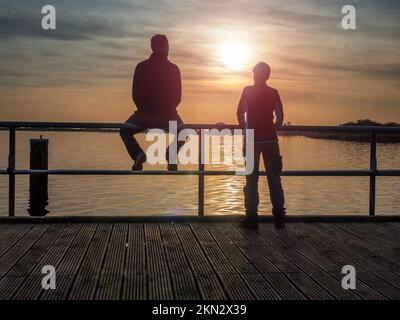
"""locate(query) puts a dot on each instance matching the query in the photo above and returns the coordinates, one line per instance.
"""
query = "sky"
(82, 71)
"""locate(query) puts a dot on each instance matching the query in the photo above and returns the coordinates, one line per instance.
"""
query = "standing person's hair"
(262, 72)
(159, 43)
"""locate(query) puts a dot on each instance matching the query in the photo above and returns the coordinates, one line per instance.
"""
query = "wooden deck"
(199, 260)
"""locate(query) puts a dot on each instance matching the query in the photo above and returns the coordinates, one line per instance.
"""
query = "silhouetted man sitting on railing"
(156, 92)
(256, 111)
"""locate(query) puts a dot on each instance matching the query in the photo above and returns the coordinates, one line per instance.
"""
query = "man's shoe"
(279, 224)
(279, 218)
(172, 167)
(247, 223)
(138, 165)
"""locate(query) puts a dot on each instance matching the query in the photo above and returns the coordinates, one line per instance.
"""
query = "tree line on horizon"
(362, 122)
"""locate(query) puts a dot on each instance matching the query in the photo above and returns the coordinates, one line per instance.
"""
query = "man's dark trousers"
(140, 122)
(273, 163)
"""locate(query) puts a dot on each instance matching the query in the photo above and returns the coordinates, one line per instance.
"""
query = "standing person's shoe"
(249, 223)
(279, 218)
(138, 165)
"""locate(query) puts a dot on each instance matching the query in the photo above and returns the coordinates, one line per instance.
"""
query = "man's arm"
(177, 86)
(241, 110)
(136, 91)
(278, 108)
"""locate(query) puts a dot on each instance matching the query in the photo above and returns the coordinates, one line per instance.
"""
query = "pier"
(204, 257)
(199, 260)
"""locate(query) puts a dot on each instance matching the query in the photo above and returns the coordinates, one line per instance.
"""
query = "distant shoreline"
(354, 137)
(334, 135)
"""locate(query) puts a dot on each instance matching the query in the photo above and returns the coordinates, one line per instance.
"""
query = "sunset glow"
(82, 70)
(235, 55)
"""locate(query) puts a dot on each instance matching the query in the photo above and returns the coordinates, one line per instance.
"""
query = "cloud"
(100, 41)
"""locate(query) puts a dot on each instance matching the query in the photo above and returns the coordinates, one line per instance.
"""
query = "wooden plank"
(385, 233)
(279, 260)
(296, 241)
(288, 251)
(184, 286)
(175, 255)
(85, 284)
(159, 287)
(9, 239)
(381, 283)
(386, 283)
(68, 267)
(9, 259)
(236, 287)
(210, 287)
(317, 233)
(213, 252)
(363, 290)
(373, 258)
(229, 248)
(196, 257)
(31, 288)
(308, 287)
(388, 249)
(323, 278)
(251, 285)
(183, 281)
(10, 228)
(110, 283)
(135, 287)
(370, 279)
(135, 282)
(10, 283)
(260, 287)
(159, 280)
(209, 283)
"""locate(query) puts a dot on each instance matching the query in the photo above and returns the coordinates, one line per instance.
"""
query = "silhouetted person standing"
(156, 92)
(256, 111)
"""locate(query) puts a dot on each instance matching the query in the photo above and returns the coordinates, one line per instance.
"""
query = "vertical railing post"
(201, 177)
(11, 173)
(372, 178)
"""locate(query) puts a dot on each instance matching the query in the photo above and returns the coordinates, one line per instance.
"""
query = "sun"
(235, 55)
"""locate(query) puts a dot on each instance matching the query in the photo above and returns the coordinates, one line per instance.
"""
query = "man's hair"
(159, 42)
(262, 70)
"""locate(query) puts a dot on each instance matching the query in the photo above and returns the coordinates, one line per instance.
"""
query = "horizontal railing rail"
(373, 171)
(288, 128)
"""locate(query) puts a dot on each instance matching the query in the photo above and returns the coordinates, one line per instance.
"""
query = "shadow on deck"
(199, 260)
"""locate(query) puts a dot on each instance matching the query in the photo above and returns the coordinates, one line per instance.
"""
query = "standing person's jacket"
(156, 88)
(256, 111)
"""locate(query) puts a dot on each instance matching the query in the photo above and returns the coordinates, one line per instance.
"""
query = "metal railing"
(373, 171)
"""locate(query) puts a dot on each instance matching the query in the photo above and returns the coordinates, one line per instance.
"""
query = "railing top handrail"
(291, 128)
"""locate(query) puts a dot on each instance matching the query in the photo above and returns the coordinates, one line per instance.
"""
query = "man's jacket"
(156, 88)
(256, 111)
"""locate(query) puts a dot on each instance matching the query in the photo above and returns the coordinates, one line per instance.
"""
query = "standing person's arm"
(177, 87)
(241, 110)
(278, 108)
(136, 87)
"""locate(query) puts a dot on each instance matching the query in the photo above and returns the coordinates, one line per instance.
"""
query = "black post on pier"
(201, 176)
(38, 182)
(372, 178)
(11, 172)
